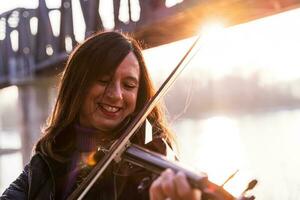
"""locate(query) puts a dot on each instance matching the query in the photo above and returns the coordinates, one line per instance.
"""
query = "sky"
(12, 4)
(270, 45)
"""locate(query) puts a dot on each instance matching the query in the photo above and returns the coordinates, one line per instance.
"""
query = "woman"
(105, 83)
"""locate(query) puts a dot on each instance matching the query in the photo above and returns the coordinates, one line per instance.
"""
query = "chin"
(106, 128)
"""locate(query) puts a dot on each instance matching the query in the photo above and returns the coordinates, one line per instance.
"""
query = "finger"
(156, 192)
(168, 185)
(184, 190)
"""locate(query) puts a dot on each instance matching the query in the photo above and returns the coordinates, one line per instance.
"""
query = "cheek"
(90, 98)
(95, 93)
(131, 100)
(86, 107)
(134, 103)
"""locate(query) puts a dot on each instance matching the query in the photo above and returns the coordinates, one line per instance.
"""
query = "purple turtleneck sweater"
(123, 182)
(87, 142)
(88, 139)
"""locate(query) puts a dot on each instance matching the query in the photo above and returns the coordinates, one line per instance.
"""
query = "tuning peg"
(246, 198)
(250, 186)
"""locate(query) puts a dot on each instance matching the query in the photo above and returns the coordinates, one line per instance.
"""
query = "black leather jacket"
(37, 181)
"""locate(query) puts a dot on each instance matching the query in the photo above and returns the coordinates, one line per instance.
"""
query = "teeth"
(110, 108)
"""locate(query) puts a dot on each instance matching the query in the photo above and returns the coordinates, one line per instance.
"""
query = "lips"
(109, 108)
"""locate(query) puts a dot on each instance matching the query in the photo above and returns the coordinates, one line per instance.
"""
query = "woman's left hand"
(173, 186)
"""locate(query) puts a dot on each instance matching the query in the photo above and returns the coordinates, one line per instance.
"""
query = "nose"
(114, 91)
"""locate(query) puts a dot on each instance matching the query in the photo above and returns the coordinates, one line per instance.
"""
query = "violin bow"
(123, 142)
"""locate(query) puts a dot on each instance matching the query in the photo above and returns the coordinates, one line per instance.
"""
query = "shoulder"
(38, 160)
(39, 166)
(40, 176)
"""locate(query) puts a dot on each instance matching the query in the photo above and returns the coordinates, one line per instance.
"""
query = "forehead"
(129, 67)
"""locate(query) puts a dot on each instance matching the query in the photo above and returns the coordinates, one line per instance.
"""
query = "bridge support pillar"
(35, 101)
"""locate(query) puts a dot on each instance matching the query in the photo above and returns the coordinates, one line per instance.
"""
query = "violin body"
(157, 163)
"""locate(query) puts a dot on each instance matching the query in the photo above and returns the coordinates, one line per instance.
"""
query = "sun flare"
(268, 46)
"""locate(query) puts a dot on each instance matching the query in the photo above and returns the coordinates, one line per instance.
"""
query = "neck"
(89, 139)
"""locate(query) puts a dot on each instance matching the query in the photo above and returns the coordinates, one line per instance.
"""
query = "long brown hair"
(97, 55)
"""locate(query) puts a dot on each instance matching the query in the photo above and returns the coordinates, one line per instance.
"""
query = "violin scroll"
(215, 192)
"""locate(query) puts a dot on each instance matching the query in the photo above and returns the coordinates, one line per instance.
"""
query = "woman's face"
(112, 98)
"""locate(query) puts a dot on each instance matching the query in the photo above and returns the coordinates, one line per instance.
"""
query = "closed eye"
(104, 81)
(130, 85)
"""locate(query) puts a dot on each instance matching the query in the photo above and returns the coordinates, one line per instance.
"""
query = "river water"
(263, 146)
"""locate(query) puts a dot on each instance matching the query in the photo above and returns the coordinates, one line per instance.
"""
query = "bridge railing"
(29, 45)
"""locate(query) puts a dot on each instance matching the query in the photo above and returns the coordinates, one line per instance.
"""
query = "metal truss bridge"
(30, 47)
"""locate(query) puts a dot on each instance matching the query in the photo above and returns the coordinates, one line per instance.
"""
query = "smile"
(108, 108)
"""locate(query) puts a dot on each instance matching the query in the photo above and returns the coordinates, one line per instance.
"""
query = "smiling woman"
(112, 98)
(104, 85)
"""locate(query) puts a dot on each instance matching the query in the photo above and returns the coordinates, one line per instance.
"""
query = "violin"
(123, 149)
(157, 163)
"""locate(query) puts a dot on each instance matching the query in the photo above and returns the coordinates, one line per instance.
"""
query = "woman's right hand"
(173, 186)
